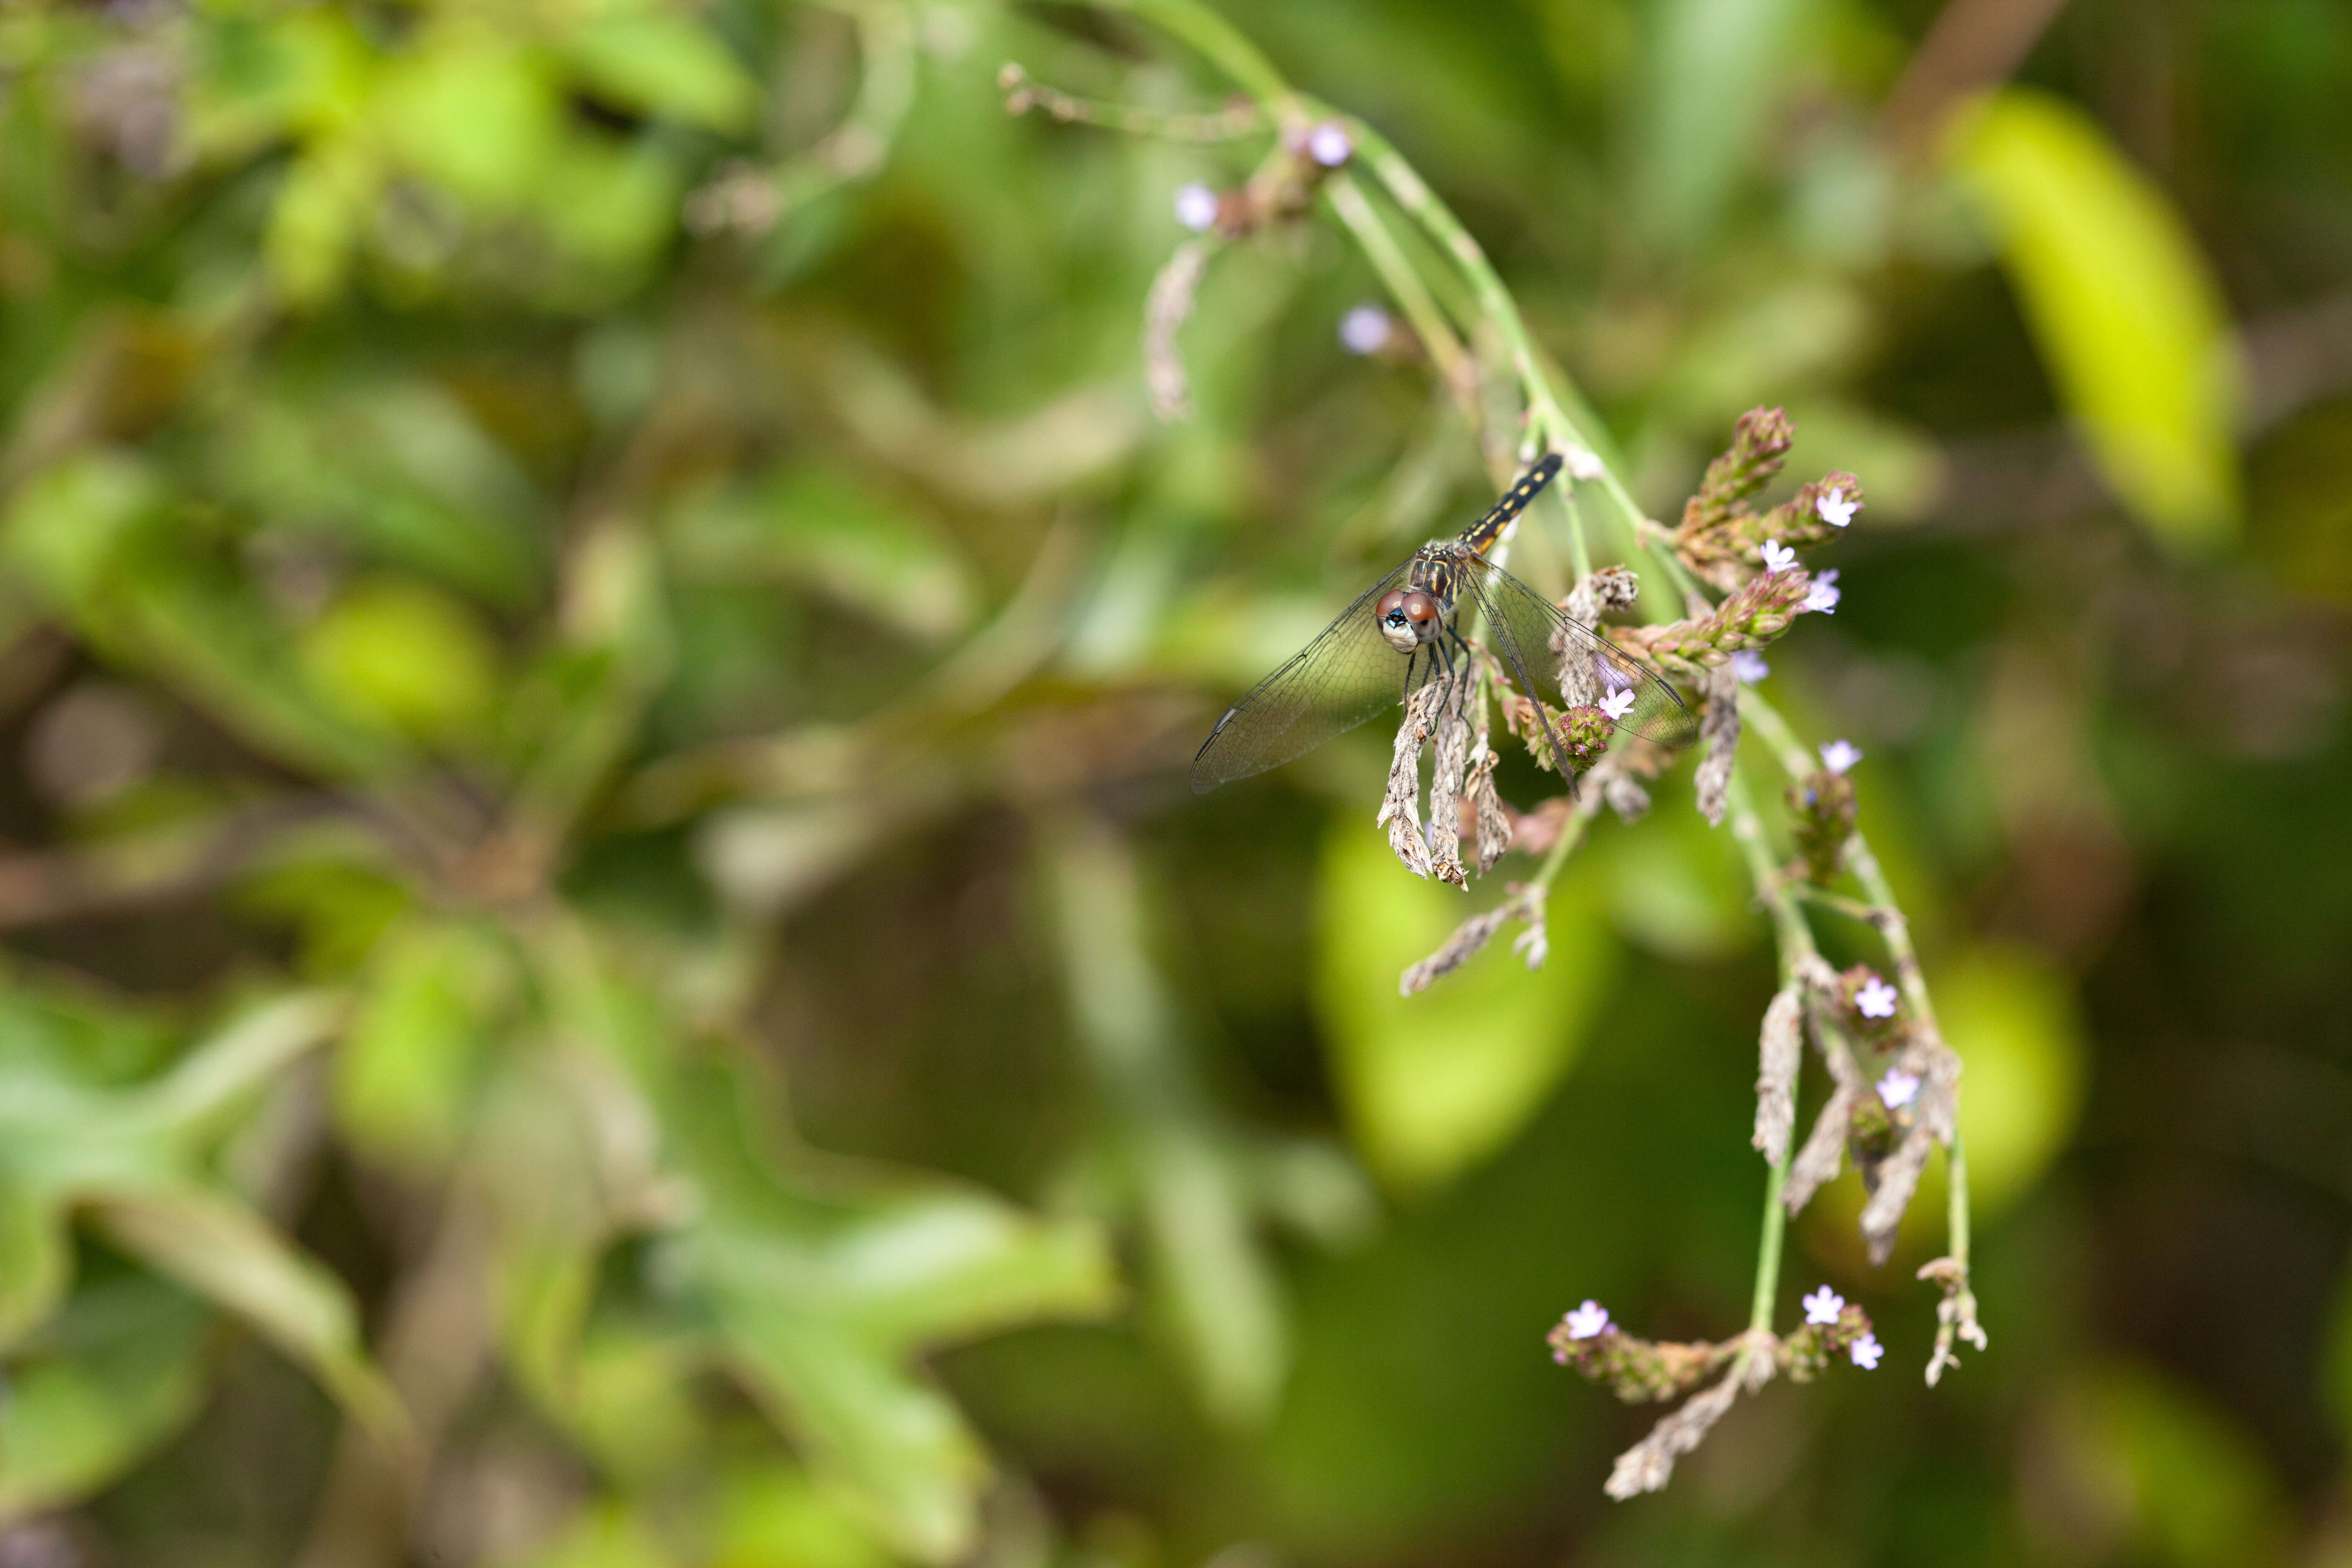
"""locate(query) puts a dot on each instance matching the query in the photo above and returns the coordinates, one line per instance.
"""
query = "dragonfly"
(1407, 630)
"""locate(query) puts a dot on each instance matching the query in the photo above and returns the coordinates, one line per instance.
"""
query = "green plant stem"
(1796, 942)
(1413, 296)
(1223, 43)
(1895, 930)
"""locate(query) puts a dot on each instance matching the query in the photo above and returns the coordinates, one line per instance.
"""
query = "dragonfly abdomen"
(1483, 533)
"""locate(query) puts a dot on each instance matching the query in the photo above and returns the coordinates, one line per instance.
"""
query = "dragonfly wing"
(1348, 674)
(1572, 663)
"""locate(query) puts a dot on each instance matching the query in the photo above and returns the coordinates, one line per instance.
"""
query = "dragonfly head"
(1408, 617)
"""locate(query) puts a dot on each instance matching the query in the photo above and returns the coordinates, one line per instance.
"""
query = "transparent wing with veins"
(1346, 675)
(1570, 664)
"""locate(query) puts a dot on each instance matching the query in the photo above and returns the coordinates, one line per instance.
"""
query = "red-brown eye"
(1418, 607)
(1390, 603)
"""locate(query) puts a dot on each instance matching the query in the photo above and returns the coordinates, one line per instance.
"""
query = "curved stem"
(1220, 42)
(1888, 918)
(1412, 295)
(1796, 942)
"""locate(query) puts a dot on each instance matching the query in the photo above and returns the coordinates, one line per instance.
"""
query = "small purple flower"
(1875, 1000)
(1749, 666)
(1823, 598)
(1778, 557)
(1840, 755)
(1867, 1350)
(1824, 1305)
(1898, 1088)
(1836, 510)
(1330, 144)
(1196, 208)
(1619, 705)
(1365, 330)
(1586, 1322)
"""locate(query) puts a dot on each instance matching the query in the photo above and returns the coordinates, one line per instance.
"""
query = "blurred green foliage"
(606, 961)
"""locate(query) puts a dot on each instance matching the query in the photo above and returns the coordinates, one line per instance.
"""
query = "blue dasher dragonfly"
(1405, 631)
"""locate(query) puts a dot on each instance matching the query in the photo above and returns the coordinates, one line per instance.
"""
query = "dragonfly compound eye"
(1407, 618)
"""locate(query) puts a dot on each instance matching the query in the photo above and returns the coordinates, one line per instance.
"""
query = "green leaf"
(1715, 66)
(893, 1448)
(612, 207)
(2176, 1478)
(1432, 1084)
(605, 1535)
(1678, 889)
(396, 467)
(1211, 1275)
(2013, 1018)
(239, 1061)
(121, 1374)
(404, 656)
(67, 526)
(2123, 306)
(825, 527)
(1193, 1181)
(820, 1305)
(35, 1255)
(404, 1076)
(321, 211)
(472, 112)
(770, 1513)
(211, 639)
(221, 1250)
(822, 1293)
(665, 66)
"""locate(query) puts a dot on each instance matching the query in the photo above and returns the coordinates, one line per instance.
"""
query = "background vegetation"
(608, 961)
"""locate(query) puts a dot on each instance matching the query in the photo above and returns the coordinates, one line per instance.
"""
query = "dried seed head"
(1719, 727)
(1164, 310)
(1458, 949)
(1779, 1048)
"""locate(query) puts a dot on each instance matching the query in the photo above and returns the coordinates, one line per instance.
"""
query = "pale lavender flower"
(1330, 144)
(1823, 599)
(1875, 1000)
(1749, 666)
(1836, 510)
(1619, 705)
(1898, 1088)
(1196, 208)
(1778, 557)
(1365, 330)
(1824, 1305)
(1586, 1322)
(1840, 755)
(1866, 1351)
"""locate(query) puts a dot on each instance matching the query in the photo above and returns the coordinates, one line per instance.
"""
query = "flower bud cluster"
(1722, 539)
(1635, 1369)
(1821, 820)
(1756, 611)
(1282, 188)
(1807, 1352)
(1584, 734)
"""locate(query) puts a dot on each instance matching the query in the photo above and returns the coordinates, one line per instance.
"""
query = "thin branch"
(1023, 93)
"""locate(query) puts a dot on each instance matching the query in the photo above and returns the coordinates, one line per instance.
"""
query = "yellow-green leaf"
(2012, 1017)
(2122, 303)
(406, 657)
(1434, 1083)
